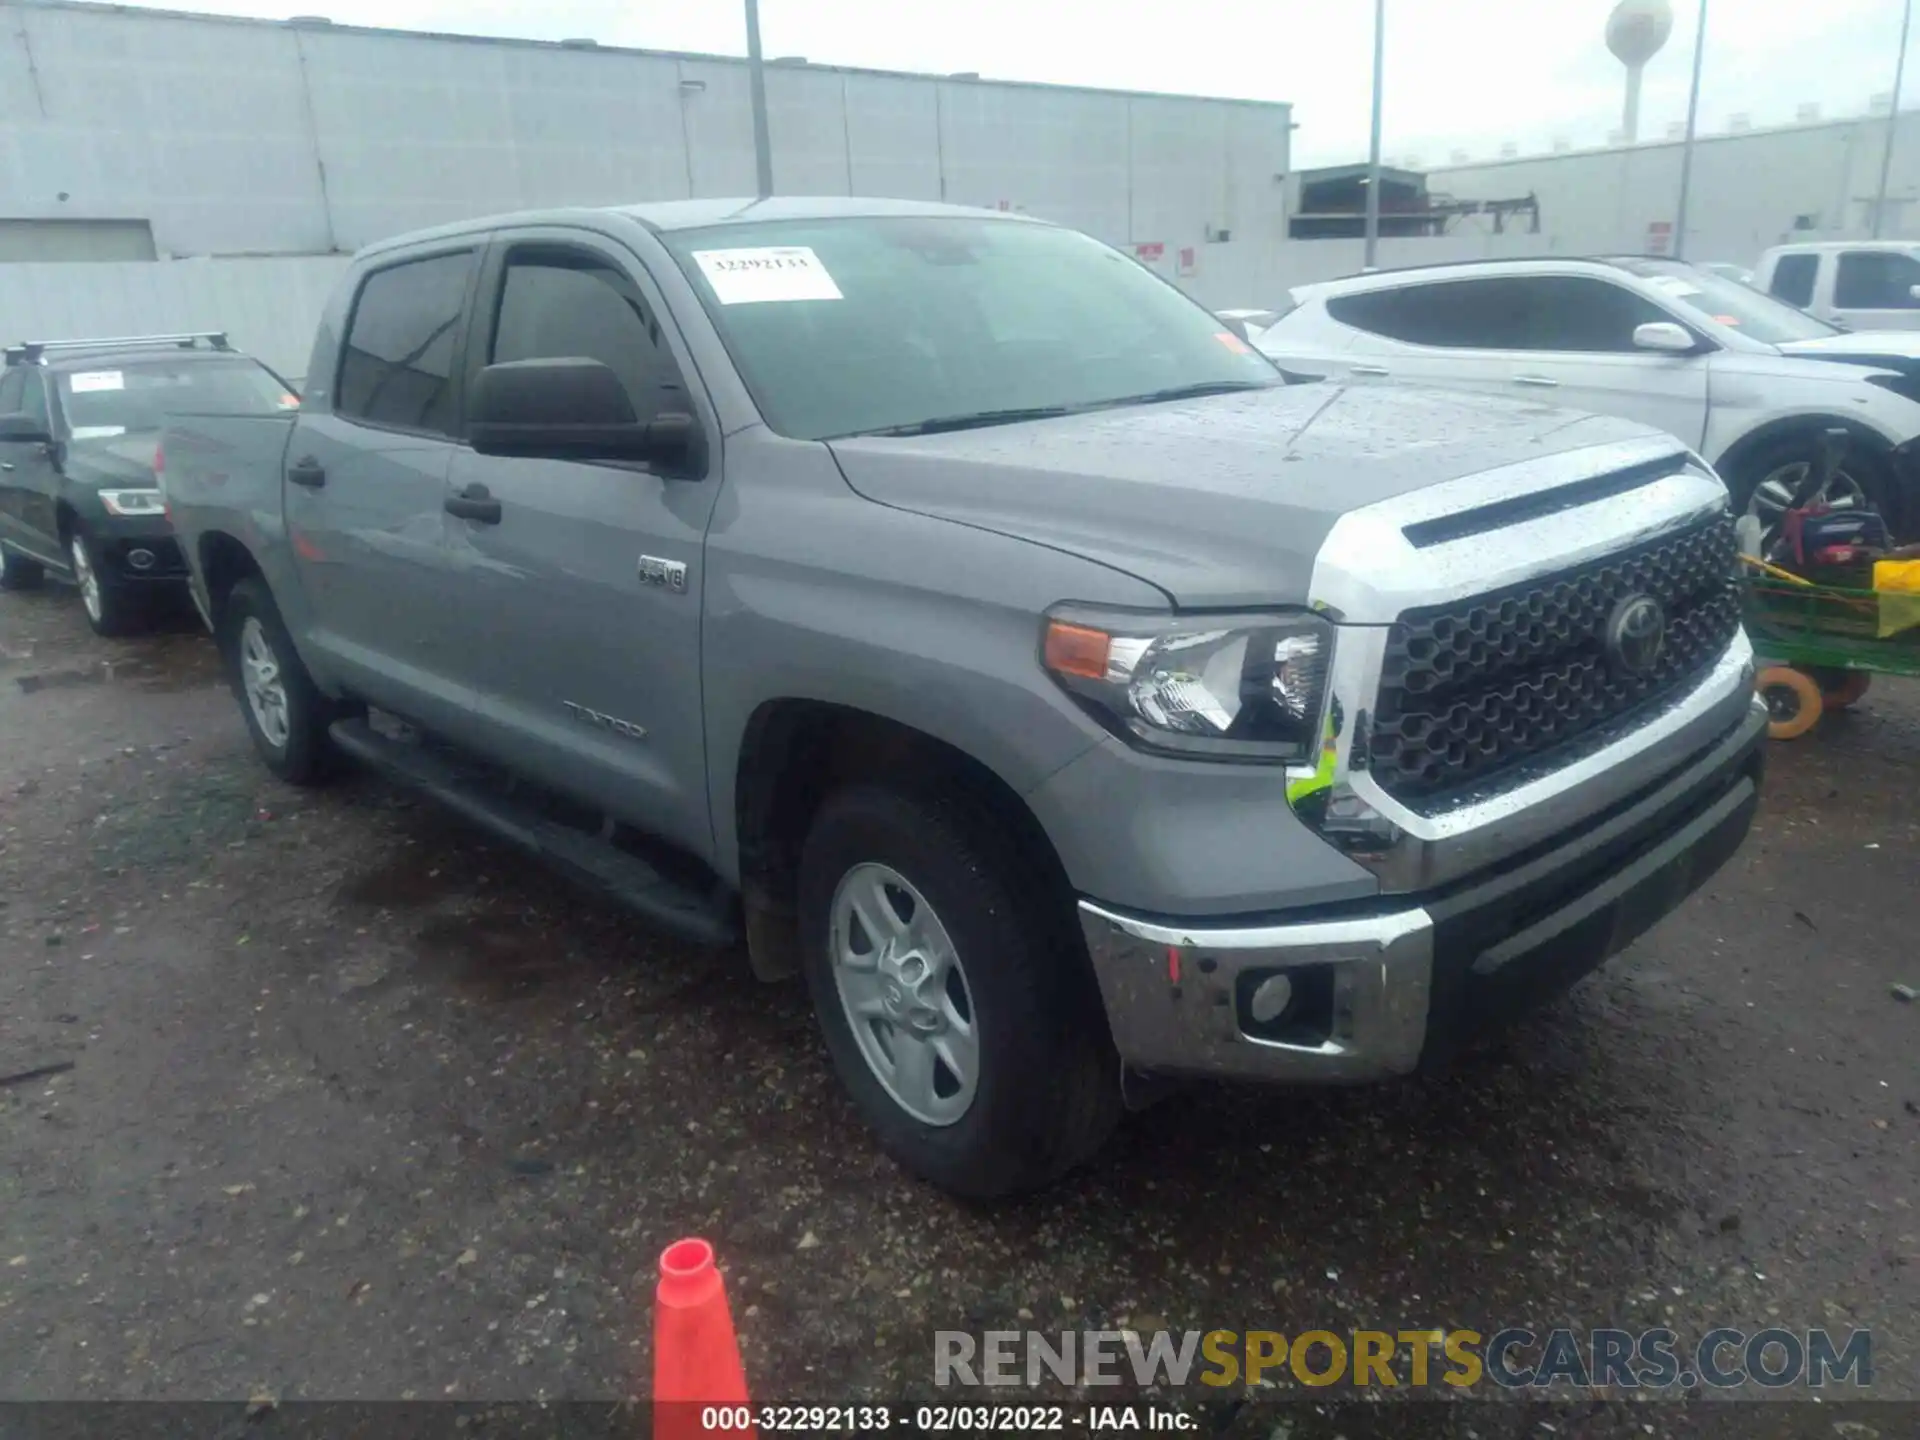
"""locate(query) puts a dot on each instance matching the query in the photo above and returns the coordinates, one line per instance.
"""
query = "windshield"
(846, 327)
(135, 397)
(1727, 302)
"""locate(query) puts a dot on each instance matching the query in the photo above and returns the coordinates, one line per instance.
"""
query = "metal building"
(143, 134)
(1751, 188)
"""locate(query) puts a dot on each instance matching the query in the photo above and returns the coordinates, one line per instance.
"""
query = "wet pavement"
(363, 1106)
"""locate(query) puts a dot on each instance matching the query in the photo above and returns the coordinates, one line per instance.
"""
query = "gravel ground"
(362, 1106)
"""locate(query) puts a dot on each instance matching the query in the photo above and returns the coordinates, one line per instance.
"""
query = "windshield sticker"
(1233, 342)
(766, 272)
(1677, 286)
(98, 432)
(89, 381)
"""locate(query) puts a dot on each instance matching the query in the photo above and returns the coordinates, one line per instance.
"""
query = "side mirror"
(1664, 336)
(23, 429)
(573, 409)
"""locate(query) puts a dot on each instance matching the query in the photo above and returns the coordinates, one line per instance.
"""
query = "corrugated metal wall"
(1749, 191)
(269, 307)
(252, 137)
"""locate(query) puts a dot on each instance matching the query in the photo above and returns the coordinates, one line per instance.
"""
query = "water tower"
(1635, 32)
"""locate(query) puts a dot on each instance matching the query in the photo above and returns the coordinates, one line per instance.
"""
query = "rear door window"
(1449, 314)
(1876, 280)
(1793, 277)
(397, 366)
(12, 388)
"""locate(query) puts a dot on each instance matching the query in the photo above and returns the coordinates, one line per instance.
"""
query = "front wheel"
(954, 997)
(1763, 483)
(285, 712)
(1793, 700)
(112, 609)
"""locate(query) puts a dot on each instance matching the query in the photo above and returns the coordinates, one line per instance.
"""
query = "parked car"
(79, 423)
(1857, 284)
(948, 607)
(1746, 381)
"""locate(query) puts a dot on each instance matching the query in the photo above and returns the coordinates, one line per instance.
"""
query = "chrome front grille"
(1480, 695)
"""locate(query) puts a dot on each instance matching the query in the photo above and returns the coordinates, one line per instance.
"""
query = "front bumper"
(137, 549)
(1386, 991)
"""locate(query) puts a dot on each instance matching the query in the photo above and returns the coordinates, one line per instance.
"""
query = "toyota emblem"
(1637, 635)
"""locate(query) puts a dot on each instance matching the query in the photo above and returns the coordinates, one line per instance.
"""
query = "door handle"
(1543, 382)
(308, 472)
(6, 464)
(476, 502)
(1379, 370)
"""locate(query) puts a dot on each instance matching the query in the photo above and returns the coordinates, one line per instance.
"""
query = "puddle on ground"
(95, 674)
(499, 958)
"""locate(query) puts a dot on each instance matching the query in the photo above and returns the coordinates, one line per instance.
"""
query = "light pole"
(1373, 155)
(1893, 121)
(1686, 152)
(757, 83)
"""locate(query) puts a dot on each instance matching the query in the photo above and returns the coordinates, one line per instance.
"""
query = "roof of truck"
(670, 215)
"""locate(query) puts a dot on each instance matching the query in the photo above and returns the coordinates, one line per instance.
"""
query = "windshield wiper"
(977, 421)
(984, 418)
(1193, 392)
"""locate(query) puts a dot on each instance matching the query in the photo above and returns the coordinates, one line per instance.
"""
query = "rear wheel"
(1793, 700)
(285, 712)
(18, 573)
(1841, 688)
(954, 999)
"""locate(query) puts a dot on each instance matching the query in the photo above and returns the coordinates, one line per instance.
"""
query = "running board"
(707, 919)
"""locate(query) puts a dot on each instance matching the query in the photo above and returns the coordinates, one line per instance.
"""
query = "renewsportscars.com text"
(1514, 1358)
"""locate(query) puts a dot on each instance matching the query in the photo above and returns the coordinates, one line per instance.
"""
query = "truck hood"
(124, 460)
(1223, 501)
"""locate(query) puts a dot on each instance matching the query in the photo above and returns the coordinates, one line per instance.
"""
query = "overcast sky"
(1461, 74)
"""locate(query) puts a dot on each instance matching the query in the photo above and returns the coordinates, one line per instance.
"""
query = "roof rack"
(31, 352)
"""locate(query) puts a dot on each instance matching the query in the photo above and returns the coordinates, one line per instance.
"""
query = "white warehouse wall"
(1749, 190)
(269, 308)
(252, 137)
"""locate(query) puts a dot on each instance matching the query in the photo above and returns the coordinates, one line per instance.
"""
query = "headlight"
(133, 502)
(1236, 687)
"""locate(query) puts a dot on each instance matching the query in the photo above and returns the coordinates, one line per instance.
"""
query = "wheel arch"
(223, 561)
(794, 753)
(1784, 427)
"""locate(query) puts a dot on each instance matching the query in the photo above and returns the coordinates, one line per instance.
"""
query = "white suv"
(1748, 382)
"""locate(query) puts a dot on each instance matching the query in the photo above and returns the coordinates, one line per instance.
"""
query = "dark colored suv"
(80, 424)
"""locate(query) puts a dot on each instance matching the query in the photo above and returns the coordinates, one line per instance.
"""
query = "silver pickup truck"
(947, 609)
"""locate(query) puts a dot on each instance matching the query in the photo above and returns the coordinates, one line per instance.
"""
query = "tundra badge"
(667, 574)
(605, 722)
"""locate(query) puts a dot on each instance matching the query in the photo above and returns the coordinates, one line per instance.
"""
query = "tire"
(1841, 688)
(1045, 1087)
(111, 609)
(19, 573)
(1755, 487)
(1794, 702)
(289, 728)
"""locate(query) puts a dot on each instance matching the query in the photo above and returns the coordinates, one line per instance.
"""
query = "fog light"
(1270, 999)
(140, 559)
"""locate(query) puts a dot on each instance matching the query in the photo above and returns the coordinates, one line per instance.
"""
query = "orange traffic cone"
(696, 1356)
